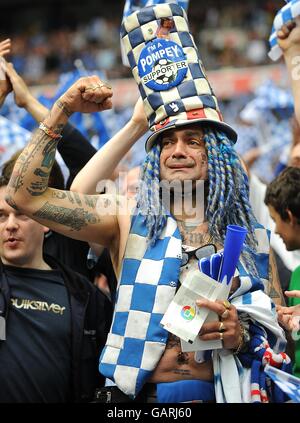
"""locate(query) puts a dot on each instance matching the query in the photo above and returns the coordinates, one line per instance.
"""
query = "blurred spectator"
(56, 321)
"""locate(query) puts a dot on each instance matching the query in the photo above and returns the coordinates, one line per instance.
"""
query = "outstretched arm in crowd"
(289, 41)
(104, 162)
(5, 46)
(74, 148)
(5, 86)
(23, 96)
(72, 214)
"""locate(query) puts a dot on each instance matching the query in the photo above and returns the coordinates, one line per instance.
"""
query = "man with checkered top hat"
(189, 142)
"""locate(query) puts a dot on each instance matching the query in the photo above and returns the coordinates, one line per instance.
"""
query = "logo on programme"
(188, 312)
(162, 65)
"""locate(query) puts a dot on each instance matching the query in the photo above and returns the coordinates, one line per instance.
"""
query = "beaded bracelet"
(49, 132)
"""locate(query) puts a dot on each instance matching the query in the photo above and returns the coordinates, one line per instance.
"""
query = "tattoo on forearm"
(39, 141)
(64, 108)
(10, 201)
(49, 154)
(40, 172)
(38, 187)
(76, 219)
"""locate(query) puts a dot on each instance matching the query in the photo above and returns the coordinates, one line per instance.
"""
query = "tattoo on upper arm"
(76, 219)
(274, 288)
(74, 198)
(91, 200)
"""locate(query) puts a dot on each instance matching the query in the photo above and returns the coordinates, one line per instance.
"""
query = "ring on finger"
(227, 304)
(222, 327)
(92, 87)
(225, 314)
(105, 84)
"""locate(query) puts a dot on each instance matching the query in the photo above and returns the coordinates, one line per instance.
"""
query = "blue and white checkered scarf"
(289, 12)
(148, 282)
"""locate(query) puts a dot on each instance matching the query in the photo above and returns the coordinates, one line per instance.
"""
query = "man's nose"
(179, 149)
(12, 223)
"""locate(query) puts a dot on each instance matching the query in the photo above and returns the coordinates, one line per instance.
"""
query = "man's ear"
(292, 220)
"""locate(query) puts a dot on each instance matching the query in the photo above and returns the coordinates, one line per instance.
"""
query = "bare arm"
(104, 162)
(289, 41)
(5, 86)
(76, 215)
(274, 288)
(23, 96)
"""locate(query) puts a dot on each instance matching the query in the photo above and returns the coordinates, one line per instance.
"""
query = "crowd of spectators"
(226, 36)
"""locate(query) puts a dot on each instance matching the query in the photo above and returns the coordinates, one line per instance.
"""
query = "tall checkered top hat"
(168, 70)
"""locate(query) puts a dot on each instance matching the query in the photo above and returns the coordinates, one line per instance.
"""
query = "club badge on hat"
(167, 68)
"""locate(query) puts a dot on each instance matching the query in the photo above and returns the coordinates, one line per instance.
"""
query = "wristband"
(49, 132)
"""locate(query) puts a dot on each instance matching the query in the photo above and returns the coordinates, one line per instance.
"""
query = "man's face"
(286, 230)
(183, 155)
(21, 238)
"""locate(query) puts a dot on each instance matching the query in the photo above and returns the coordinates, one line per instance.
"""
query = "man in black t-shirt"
(53, 321)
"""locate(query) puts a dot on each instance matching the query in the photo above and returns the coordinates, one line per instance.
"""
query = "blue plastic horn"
(233, 246)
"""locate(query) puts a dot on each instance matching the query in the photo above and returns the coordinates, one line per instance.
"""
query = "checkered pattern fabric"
(12, 138)
(289, 384)
(289, 12)
(148, 283)
(193, 98)
(236, 376)
(241, 378)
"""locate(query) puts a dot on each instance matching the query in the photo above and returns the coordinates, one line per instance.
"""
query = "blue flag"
(289, 384)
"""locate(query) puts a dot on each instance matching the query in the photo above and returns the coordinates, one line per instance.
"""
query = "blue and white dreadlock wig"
(228, 195)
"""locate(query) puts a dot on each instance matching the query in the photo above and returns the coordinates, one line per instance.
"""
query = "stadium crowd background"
(48, 36)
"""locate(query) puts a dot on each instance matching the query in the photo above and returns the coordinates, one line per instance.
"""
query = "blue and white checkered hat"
(167, 68)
